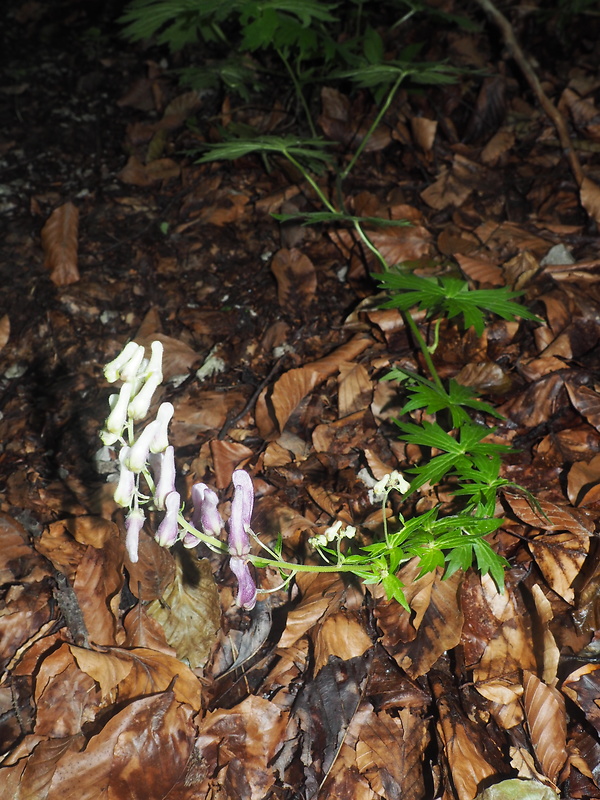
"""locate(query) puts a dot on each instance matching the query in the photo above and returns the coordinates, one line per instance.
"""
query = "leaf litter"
(144, 680)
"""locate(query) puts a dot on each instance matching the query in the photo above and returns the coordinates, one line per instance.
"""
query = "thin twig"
(551, 110)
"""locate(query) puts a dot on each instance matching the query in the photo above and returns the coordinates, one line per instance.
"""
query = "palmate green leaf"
(451, 297)
(489, 561)
(373, 76)
(308, 150)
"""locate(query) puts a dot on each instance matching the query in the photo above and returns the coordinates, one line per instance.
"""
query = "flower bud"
(138, 407)
(161, 438)
(131, 370)
(113, 368)
(126, 486)
(140, 449)
(134, 522)
(117, 419)
(163, 467)
(155, 364)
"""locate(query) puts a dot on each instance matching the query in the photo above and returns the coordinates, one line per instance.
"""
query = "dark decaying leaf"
(583, 687)
(324, 711)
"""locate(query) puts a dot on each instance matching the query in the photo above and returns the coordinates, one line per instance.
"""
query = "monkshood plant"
(147, 481)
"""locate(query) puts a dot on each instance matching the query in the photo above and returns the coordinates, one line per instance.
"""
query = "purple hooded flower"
(241, 513)
(246, 597)
(134, 522)
(206, 515)
(168, 530)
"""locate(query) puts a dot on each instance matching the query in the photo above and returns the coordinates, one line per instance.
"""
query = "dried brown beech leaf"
(537, 403)
(65, 697)
(484, 376)
(463, 742)
(584, 754)
(4, 331)
(201, 412)
(550, 516)
(98, 585)
(500, 143)
(437, 618)
(551, 653)
(321, 594)
(341, 634)
(139, 753)
(123, 675)
(19, 562)
(547, 723)
(560, 557)
(583, 483)
(380, 752)
(480, 269)
(228, 456)
(25, 609)
(509, 648)
(423, 131)
(59, 240)
(236, 747)
(590, 198)
(137, 174)
(355, 389)
(586, 401)
(142, 631)
(583, 687)
(346, 434)
(153, 571)
(296, 278)
(189, 611)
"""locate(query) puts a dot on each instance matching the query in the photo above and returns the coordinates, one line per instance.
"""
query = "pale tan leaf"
(423, 131)
(290, 389)
(500, 143)
(341, 634)
(189, 611)
(590, 198)
(549, 516)
(137, 174)
(355, 389)
(228, 456)
(481, 269)
(547, 723)
(551, 654)
(59, 240)
(583, 482)
(560, 557)
(296, 278)
(4, 331)
(321, 595)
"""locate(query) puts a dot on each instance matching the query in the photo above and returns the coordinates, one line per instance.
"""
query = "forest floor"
(145, 680)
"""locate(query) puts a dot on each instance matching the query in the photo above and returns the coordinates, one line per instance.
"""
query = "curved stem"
(374, 125)
(299, 93)
(423, 347)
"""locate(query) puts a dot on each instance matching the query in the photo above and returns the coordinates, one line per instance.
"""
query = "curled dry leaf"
(321, 595)
(4, 331)
(59, 240)
(341, 634)
(551, 654)
(123, 675)
(547, 723)
(583, 687)
(560, 557)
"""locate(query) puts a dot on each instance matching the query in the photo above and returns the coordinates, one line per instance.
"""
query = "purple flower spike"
(246, 597)
(168, 530)
(241, 513)
(134, 522)
(206, 515)
(163, 468)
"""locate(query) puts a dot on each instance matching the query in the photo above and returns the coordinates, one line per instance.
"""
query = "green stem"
(374, 125)
(299, 93)
(267, 562)
(311, 181)
(424, 349)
